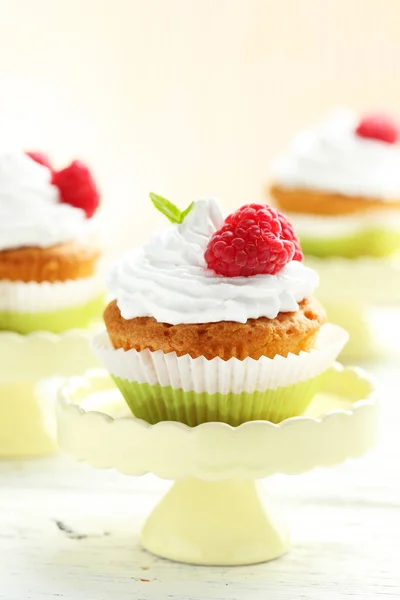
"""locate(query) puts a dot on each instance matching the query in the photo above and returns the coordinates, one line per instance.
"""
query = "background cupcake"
(214, 320)
(48, 251)
(340, 185)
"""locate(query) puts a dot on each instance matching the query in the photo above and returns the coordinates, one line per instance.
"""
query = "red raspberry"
(77, 187)
(41, 158)
(288, 233)
(262, 214)
(378, 127)
(249, 243)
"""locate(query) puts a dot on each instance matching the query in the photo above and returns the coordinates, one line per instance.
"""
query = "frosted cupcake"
(215, 320)
(48, 257)
(339, 183)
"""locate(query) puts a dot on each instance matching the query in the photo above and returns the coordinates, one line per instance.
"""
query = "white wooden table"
(69, 531)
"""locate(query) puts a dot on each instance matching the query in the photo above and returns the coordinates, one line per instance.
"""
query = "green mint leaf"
(185, 213)
(168, 209)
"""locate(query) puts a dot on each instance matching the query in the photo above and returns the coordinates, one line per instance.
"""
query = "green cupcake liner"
(56, 321)
(374, 242)
(155, 403)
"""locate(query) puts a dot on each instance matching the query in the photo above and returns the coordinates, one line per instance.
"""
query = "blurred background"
(186, 97)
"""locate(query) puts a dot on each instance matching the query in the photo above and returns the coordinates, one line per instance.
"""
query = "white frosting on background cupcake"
(31, 213)
(331, 157)
(168, 279)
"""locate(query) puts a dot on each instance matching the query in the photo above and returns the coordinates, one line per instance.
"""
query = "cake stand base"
(215, 523)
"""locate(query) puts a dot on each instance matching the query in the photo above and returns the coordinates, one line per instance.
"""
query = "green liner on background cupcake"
(363, 241)
(54, 307)
(214, 320)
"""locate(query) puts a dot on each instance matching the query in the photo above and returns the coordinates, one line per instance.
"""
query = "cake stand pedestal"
(226, 522)
(214, 514)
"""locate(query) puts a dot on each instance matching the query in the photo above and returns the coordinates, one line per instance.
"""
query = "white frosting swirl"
(168, 279)
(331, 157)
(31, 213)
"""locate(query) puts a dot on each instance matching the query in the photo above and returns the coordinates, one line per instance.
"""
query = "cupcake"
(214, 320)
(48, 253)
(339, 183)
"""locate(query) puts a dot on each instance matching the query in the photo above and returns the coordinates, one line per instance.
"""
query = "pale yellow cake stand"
(30, 370)
(349, 289)
(214, 513)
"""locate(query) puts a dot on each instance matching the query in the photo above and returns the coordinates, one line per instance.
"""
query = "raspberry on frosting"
(266, 218)
(378, 127)
(254, 240)
(288, 233)
(77, 187)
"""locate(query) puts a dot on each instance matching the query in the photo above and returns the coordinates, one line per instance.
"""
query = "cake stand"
(214, 513)
(349, 289)
(31, 369)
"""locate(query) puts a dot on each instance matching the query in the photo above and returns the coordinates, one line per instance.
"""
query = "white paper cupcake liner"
(219, 376)
(33, 297)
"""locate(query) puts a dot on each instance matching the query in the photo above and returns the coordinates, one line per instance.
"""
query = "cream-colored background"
(186, 97)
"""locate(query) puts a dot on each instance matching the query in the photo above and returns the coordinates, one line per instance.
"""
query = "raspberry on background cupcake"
(340, 185)
(215, 320)
(48, 259)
